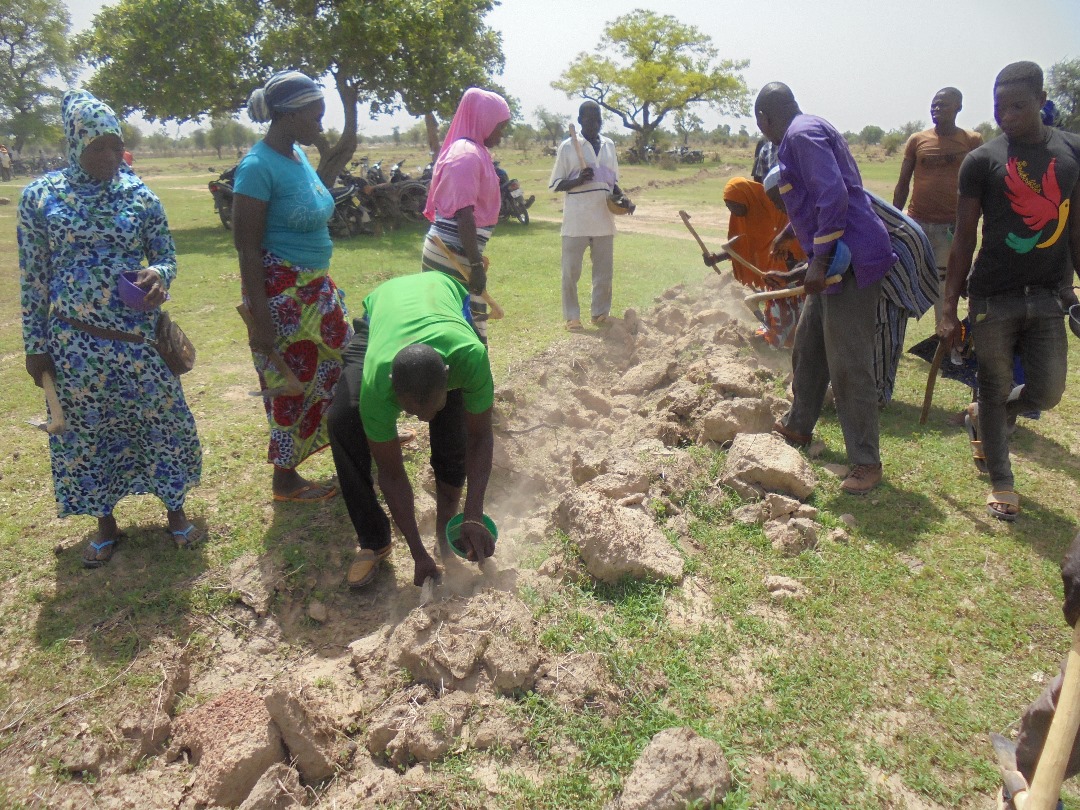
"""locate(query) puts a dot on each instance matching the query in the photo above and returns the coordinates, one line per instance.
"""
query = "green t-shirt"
(421, 308)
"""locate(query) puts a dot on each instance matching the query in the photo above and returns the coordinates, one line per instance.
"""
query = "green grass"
(887, 664)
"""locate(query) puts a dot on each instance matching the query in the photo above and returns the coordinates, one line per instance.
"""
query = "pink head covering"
(464, 174)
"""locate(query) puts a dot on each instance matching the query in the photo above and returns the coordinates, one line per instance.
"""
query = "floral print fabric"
(129, 430)
(313, 329)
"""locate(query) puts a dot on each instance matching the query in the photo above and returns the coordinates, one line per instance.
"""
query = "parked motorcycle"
(514, 205)
(684, 154)
(397, 172)
(222, 189)
(373, 172)
(351, 216)
(389, 203)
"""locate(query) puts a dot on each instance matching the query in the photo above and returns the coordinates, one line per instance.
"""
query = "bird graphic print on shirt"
(1038, 204)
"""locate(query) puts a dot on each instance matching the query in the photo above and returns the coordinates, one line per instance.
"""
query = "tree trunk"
(432, 133)
(333, 158)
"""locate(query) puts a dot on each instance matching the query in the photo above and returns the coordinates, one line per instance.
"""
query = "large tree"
(446, 51)
(552, 125)
(648, 66)
(175, 59)
(1063, 86)
(420, 54)
(35, 57)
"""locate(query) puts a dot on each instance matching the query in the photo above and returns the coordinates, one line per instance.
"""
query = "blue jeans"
(1032, 325)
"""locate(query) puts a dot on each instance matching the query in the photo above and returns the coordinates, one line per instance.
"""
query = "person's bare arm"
(968, 211)
(466, 222)
(586, 176)
(396, 489)
(479, 447)
(1069, 294)
(249, 226)
(903, 184)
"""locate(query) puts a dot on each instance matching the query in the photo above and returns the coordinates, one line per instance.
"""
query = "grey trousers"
(941, 239)
(602, 254)
(834, 342)
(1034, 325)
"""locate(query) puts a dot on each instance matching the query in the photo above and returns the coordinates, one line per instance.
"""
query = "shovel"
(56, 423)
(497, 312)
(292, 387)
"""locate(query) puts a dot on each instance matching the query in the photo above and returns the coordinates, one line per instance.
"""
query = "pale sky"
(854, 62)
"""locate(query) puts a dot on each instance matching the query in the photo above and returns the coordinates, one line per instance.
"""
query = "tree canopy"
(417, 54)
(448, 50)
(174, 59)
(35, 56)
(552, 125)
(1063, 87)
(648, 66)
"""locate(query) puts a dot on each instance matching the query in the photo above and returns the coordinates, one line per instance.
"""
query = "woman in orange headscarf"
(754, 224)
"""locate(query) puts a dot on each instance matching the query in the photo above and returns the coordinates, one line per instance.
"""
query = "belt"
(101, 332)
(1022, 292)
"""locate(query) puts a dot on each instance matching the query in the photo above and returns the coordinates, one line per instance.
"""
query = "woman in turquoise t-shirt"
(280, 213)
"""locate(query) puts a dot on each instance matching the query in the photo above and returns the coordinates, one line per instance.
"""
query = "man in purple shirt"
(826, 203)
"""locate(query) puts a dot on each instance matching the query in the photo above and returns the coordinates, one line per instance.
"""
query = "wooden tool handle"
(577, 147)
(787, 292)
(931, 380)
(1050, 771)
(56, 410)
(726, 247)
(686, 221)
(497, 313)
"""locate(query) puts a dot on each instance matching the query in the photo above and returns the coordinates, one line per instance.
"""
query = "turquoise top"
(299, 204)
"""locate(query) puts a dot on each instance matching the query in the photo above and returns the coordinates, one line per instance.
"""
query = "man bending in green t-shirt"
(414, 351)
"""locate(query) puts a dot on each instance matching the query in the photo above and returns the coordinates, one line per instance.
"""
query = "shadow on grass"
(1045, 452)
(308, 551)
(889, 515)
(512, 230)
(120, 608)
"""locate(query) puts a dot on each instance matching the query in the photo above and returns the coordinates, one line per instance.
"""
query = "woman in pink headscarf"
(463, 199)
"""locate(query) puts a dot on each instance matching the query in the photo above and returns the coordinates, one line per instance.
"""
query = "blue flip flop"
(102, 552)
(183, 537)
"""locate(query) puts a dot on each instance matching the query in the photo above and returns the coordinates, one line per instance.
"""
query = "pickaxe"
(496, 311)
(752, 301)
(1050, 769)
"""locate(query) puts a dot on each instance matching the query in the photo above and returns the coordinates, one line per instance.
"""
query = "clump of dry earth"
(349, 700)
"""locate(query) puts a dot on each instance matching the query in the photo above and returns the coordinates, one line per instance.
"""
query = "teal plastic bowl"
(453, 533)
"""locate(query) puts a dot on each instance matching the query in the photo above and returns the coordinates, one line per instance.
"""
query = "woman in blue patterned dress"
(280, 213)
(129, 430)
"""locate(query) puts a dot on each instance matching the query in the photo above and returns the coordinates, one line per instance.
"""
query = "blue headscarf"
(286, 91)
(85, 118)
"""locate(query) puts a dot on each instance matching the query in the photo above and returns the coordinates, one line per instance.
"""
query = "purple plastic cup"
(133, 295)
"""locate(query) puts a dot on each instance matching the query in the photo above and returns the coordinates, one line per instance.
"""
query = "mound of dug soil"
(594, 438)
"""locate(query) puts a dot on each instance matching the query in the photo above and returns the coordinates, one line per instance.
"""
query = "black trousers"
(352, 456)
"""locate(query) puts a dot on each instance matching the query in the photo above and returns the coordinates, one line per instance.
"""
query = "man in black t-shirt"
(1024, 185)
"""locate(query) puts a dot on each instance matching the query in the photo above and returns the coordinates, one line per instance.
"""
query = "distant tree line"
(197, 61)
